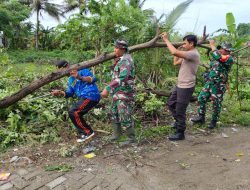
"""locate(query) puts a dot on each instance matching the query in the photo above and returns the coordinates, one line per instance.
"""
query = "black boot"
(174, 125)
(179, 135)
(212, 124)
(130, 137)
(116, 132)
(200, 119)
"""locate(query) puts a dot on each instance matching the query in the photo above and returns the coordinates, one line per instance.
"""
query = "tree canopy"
(12, 15)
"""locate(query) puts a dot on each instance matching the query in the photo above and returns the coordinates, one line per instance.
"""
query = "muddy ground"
(204, 161)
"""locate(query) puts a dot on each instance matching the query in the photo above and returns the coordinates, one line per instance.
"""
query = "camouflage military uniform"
(122, 90)
(215, 85)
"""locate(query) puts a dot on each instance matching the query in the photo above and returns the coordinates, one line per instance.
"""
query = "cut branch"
(163, 93)
(8, 101)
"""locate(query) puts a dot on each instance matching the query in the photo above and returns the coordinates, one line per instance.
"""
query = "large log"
(164, 93)
(9, 100)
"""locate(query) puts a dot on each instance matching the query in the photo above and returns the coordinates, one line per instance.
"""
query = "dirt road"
(220, 160)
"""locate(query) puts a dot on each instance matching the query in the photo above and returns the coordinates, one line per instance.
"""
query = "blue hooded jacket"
(83, 89)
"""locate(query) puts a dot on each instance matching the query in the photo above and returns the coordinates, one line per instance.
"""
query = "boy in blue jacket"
(81, 84)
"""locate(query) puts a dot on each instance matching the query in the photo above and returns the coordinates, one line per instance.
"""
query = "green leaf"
(231, 26)
(240, 42)
(174, 15)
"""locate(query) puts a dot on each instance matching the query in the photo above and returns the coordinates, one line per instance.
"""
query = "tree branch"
(7, 101)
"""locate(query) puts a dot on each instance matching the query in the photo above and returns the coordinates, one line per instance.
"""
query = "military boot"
(130, 132)
(116, 132)
(212, 124)
(199, 119)
(179, 135)
(174, 124)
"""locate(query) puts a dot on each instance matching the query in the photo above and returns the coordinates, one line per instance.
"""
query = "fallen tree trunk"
(7, 101)
(162, 93)
(158, 93)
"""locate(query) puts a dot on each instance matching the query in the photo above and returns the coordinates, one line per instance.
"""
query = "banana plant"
(233, 34)
(237, 42)
(173, 17)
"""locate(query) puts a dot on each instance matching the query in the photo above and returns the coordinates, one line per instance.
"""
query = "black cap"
(218, 47)
(121, 44)
(227, 47)
(62, 64)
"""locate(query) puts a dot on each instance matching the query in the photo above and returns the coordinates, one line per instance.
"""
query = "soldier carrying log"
(215, 86)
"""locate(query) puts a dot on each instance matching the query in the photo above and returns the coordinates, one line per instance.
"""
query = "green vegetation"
(234, 114)
(12, 13)
(43, 57)
(39, 118)
(60, 168)
(156, 132)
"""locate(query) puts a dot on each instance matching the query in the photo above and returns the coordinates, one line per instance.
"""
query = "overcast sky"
(211, 13)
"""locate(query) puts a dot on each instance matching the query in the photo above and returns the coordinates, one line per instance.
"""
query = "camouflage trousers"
(121, 113)
(213, 90)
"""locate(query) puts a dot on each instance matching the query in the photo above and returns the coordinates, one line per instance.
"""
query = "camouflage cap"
(62, 64)
(121, 44)
(227, 46)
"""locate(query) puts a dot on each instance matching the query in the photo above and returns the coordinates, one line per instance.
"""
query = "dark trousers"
(177, 104)
(76, 112)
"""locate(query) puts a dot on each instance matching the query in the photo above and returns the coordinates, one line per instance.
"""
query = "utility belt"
(219, 77)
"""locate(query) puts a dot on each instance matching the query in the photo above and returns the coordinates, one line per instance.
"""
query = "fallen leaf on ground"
(239, 154)
(184, 165)
(201, 130)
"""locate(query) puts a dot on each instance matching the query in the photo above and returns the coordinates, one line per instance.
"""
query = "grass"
(16, 76)
(60, 168)
(154, 132)
(14, 70)
(233, 114)
(26, 56)
(37, 113)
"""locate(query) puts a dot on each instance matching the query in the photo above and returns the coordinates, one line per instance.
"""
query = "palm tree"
(76, 4)
(41, 6)
(173, 17)
(137, 3)
(155, 73)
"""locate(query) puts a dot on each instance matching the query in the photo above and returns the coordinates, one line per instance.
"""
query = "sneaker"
(85, 137)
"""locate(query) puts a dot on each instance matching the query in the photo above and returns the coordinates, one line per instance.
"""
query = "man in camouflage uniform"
(216, 83)
(122, 91)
